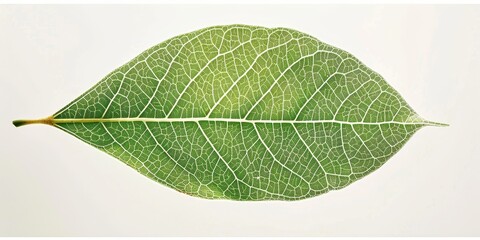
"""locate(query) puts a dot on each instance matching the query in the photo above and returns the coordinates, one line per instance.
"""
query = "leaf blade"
(245, 113)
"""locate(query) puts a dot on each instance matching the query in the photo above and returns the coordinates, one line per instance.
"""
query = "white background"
(52, 184)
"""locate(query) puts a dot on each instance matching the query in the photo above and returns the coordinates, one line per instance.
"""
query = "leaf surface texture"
(244, 113)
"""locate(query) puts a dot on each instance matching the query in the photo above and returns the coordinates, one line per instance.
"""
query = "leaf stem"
(22, 122)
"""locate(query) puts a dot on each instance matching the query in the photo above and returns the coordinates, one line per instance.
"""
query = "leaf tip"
(436, 124)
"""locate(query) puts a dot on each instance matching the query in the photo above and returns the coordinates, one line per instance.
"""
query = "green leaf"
(244, 113)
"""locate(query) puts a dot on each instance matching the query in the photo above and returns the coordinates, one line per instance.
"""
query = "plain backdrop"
(52, 184)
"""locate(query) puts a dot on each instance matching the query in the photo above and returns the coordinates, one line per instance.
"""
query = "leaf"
(244, 113)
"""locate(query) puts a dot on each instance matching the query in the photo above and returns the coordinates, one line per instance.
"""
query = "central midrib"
(203, 119)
